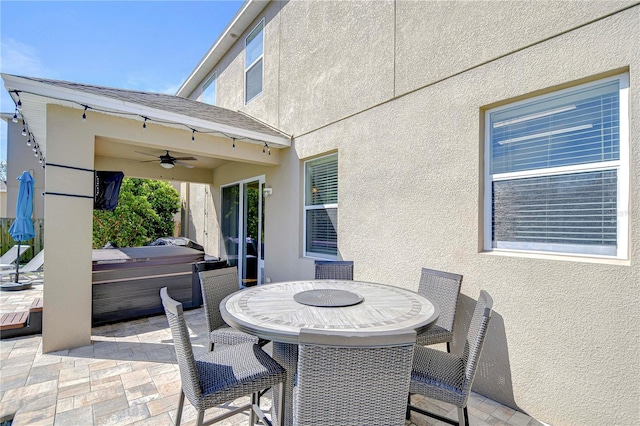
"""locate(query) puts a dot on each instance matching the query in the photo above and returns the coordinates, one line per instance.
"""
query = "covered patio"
(76, 129)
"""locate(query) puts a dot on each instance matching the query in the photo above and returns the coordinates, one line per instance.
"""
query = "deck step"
(36, 305)
(13, 320)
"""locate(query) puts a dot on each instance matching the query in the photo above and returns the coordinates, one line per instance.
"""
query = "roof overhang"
(36, 95)
(249, 11)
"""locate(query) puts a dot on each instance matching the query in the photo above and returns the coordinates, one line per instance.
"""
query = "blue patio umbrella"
(22, 228)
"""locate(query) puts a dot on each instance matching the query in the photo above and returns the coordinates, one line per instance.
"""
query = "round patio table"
(278, 312)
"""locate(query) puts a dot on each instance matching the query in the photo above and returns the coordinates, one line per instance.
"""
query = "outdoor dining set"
(343, 352)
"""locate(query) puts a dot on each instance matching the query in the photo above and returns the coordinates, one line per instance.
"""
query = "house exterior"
(497, 140)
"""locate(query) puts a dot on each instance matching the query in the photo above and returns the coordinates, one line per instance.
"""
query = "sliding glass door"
(242, 227)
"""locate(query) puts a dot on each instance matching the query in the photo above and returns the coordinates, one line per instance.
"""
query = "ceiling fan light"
(166, 165)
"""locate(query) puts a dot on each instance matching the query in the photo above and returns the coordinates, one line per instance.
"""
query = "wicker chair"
(221, 376)
(334, 270)
(346, 379)
(448, 377)
(216, 285)
(443, 288)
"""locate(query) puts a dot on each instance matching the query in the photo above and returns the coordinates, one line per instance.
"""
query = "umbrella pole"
(18, 262)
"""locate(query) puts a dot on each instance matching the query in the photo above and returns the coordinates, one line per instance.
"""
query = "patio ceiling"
(159, 109)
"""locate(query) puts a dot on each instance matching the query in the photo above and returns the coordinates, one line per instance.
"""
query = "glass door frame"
(242, 220)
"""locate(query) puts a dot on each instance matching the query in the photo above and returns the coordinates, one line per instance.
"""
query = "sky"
(138, 45)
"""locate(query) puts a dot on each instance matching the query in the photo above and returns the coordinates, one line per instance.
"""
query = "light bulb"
(19, 105)
(24, 132)
(29, 142)
(15, 117)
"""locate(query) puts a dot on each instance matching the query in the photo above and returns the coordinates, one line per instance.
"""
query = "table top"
(269, 311)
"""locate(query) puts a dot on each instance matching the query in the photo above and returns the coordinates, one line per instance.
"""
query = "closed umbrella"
(22, 228)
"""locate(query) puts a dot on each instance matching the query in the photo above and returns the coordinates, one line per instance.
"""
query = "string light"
(36, 149)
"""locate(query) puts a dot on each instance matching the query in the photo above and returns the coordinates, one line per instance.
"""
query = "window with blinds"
(253, 60)
(321, 207)
(556, 172)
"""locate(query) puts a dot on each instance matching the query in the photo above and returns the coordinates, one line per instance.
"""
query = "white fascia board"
(102, 102)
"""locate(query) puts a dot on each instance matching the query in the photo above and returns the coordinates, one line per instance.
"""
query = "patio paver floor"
(129, 376)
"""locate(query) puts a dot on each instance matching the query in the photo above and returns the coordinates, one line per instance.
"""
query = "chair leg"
(448, 347)
(211, 344)
(463, 416)
(180, 406)
(407, 415)
(281, 405)
(252, 414)
(200, 418)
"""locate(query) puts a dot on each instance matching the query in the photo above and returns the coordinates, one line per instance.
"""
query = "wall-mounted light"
(267, 191)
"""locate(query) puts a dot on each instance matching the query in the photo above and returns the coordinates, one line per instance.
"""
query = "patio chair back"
(448, 377)
(442, 288)
(334, 270)
(352, 379)
(216, 285)
(12, 256)
(182, 343)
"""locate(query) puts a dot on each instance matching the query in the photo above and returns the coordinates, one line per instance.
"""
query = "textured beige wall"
(67, 290)
(436, 39)
(565, 333)
(230, 83)
(22, 159)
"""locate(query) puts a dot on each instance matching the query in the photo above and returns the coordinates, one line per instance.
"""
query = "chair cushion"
(439, 375)
(236, 371)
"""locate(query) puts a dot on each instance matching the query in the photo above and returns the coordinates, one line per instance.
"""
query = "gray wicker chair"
(216, 285)
(443, 288)
(221, 376)
(346, 379)
(448, 377)
(334, 270)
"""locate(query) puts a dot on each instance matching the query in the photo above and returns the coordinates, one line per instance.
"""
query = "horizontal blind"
(254, 81)
(574, 213)
(322, 237)
(322, 181)
(577, 127)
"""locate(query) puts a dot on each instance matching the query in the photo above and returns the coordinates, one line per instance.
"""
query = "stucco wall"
(565, 332)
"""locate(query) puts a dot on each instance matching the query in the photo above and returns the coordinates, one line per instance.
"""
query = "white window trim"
(311, 254)
(252, 64)
(621, 165)
(205, 86)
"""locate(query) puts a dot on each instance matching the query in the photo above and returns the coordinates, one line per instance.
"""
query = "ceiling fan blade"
(180, 163)
(146, 153)
(148, 161)
(186, 158)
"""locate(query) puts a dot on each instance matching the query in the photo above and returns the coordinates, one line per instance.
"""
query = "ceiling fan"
(168, 161)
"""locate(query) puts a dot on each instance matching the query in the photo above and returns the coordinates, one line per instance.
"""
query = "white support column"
(68, 231)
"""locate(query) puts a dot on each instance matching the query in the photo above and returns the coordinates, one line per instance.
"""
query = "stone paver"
(129, 376)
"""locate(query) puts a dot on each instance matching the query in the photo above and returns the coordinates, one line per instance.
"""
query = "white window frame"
(307, 208)
(621, 166)
(212, 80)
(254, 63)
